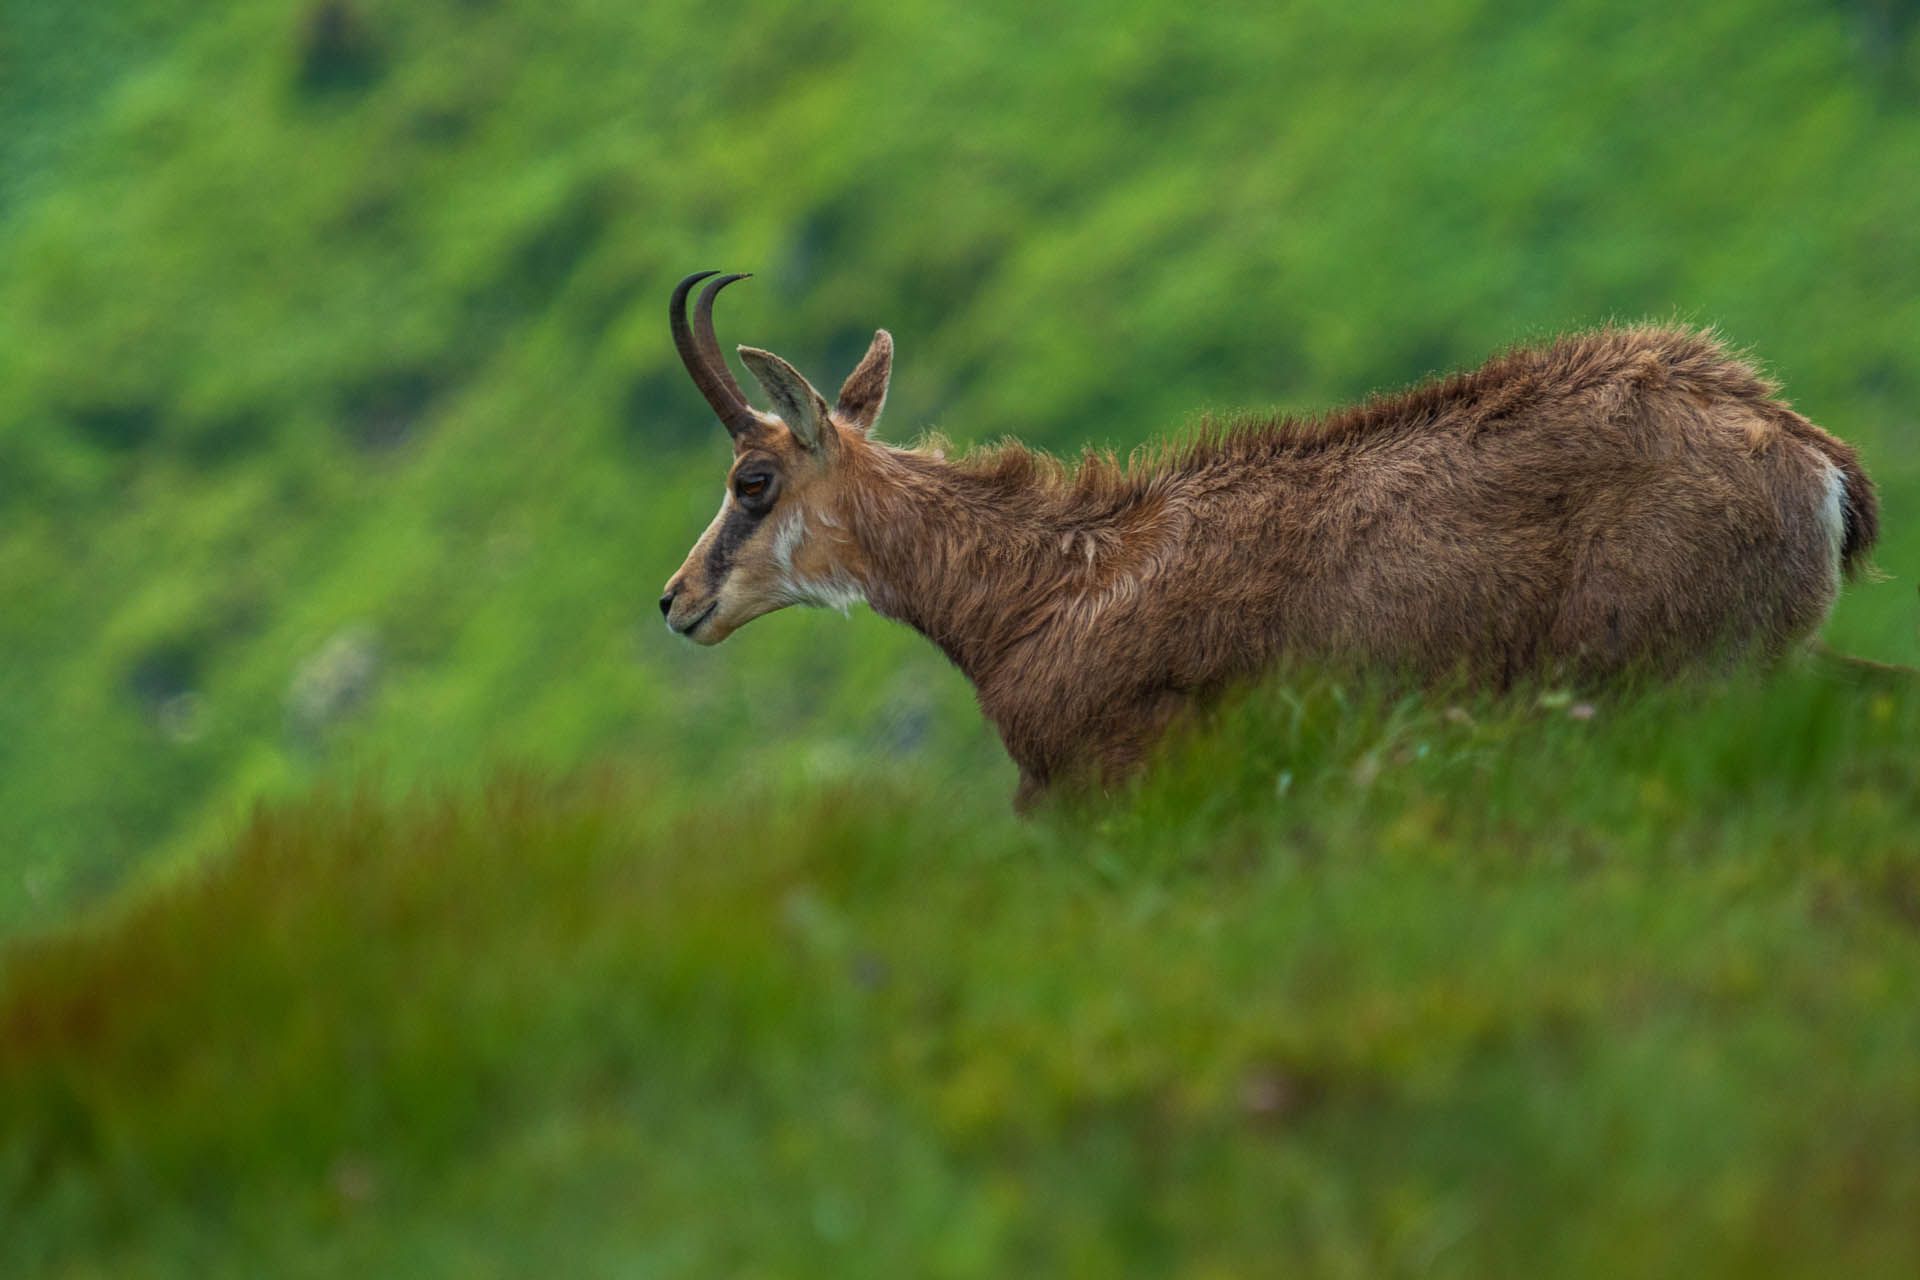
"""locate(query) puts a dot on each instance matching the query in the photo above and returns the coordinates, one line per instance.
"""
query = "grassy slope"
(1351, 987)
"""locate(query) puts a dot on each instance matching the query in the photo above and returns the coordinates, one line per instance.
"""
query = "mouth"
(694, 626)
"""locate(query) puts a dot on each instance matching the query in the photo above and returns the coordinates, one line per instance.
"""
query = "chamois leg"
(1108, 752)
(1027, 798)
(1860, 671)
(1128, 741)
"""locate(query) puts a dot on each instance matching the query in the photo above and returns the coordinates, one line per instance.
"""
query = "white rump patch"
(1833, 509)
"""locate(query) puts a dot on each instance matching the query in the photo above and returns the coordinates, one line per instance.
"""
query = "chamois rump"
(1631, 499)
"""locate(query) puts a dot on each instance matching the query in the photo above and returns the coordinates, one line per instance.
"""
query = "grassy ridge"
(1353, 985)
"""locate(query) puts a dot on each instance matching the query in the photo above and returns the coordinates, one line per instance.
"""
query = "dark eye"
(755, 488)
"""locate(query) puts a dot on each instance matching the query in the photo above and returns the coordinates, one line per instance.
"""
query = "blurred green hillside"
(339, 428)
(343, 455)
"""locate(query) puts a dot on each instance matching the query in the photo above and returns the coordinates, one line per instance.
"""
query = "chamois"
(1627, 499)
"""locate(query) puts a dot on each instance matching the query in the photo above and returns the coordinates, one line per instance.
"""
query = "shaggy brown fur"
(1628, 499)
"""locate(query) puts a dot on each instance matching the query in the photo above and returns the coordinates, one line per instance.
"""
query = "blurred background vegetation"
(340, 435)
(338, 424)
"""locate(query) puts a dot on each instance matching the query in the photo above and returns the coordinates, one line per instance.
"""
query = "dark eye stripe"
(734, 530)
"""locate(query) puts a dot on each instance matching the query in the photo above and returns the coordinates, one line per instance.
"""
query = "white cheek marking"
(785, 539)
(838, 591)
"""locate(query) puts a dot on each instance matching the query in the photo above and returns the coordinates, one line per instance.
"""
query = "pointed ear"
(865, 391)
(803, 409)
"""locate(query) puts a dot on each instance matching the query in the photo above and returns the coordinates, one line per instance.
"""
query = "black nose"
(666, 602)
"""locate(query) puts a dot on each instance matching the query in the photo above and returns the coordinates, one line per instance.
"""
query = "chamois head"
(780, 536)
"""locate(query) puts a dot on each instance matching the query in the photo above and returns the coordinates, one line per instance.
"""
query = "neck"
(984, 556)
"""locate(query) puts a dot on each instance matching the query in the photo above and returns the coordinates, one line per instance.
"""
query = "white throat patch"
(838, 591)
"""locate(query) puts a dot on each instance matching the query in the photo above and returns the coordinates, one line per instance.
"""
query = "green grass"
(1349, 986)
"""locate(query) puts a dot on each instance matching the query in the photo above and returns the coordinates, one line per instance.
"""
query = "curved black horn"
(717, 387)
(703, 332)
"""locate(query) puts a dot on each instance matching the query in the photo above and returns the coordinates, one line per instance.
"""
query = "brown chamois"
(1629, 499)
